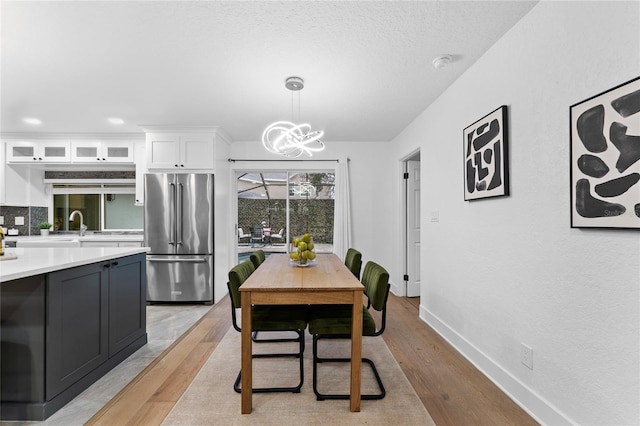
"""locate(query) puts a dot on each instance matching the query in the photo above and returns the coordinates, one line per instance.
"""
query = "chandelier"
(290, 139)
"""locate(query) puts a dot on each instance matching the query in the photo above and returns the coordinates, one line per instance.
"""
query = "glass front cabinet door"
(38, 152)
(102, 152)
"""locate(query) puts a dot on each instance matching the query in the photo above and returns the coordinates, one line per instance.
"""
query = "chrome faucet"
(83, 227)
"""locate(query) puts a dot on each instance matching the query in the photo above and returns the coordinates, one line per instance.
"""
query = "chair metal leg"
(299, 355)
(316, 360)
(254, 337)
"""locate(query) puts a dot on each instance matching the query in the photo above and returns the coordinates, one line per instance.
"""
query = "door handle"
(172, 219)
(179, 208)
(199, 260)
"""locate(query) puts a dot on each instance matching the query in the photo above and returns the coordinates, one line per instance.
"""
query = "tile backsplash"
(32, 216)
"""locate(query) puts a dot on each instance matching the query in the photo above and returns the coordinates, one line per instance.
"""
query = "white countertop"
(36, 261)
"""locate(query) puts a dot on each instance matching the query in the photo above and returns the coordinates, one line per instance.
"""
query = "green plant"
(44, 225)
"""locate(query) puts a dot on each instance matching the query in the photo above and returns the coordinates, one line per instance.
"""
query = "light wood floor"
(451, 389)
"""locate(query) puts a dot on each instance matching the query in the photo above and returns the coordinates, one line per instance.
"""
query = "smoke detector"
(441, 61)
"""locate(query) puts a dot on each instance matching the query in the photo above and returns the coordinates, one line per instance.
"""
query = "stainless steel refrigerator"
(178, 227)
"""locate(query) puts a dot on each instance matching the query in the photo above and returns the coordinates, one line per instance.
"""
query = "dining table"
(324, 281)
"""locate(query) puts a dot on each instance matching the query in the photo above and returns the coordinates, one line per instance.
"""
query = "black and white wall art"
(486, 171)
(605, 159)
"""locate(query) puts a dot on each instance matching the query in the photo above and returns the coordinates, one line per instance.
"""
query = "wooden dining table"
(325, 281)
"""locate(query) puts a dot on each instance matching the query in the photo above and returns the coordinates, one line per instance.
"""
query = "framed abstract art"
(605, 159)
(486, 166)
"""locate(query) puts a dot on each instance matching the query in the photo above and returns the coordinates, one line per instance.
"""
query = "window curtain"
(342, 220)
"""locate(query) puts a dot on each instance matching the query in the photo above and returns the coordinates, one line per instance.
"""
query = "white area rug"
(211, 400)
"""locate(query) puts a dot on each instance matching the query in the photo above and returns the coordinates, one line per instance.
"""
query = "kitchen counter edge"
(37, 261)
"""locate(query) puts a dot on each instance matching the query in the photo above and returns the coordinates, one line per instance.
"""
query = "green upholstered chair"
(268, 318)
(353, 261)
(334, 322)
(257, 257)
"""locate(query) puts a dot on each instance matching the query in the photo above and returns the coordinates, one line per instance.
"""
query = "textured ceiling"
(366, 65)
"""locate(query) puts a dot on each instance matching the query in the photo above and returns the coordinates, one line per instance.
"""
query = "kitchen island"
(67, 317)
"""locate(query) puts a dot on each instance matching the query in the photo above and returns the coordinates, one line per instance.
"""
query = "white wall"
(223, 223)
(496, 273)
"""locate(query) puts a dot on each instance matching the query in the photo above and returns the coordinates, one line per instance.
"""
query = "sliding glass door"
(311, 207)
(275, 207)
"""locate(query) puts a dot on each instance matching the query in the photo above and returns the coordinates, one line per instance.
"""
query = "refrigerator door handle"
(172, 219)
(179, 215)
(200, 260)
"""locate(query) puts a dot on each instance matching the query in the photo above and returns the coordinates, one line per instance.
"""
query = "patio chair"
(266, 232)
(280, 236)
(268, 318)
(257, 236)
(353, 261)
(334, 322)
(243, 236)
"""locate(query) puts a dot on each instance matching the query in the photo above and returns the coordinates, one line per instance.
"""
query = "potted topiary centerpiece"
(44, 228)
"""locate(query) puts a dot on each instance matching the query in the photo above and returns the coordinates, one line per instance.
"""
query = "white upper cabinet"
(49, 151)
(102, 152)
(163, 150)
(38, 151)
(181, 151)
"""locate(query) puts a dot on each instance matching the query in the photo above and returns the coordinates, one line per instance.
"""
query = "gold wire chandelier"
(289, 139)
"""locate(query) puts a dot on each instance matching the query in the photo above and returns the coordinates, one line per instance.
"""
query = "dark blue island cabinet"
(62, 331)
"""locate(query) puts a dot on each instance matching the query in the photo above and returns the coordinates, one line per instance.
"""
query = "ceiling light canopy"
(289, 139)
(294, 83)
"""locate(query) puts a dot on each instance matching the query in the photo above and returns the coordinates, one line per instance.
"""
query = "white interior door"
(413, 228)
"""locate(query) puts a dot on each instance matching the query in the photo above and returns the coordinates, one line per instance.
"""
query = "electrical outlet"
(526, 356)
(1, 220)
(19, 220)
(435, 216)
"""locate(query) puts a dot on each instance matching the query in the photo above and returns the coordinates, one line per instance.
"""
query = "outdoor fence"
(306, 216)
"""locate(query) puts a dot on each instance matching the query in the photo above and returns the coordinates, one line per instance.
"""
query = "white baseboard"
(538, 408)
(398, 290)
